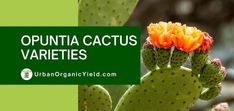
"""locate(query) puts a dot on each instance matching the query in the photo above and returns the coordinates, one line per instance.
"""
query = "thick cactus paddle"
(94, 98)
(105, 12)
(165, 89)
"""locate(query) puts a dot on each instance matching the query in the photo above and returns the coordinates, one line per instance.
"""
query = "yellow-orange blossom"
(165, 35)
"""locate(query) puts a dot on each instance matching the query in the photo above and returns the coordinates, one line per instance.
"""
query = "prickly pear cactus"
(105, 12)
(94, 98)
(170, 86)
(116, 92)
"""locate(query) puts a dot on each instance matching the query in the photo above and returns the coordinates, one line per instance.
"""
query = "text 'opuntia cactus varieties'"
(168, 86)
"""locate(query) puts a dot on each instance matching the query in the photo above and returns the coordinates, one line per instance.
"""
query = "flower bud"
(217, 62)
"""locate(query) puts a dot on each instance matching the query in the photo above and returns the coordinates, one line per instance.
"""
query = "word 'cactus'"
(169, 86)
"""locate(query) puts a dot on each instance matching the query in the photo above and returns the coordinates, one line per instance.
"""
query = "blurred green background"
(213, 16)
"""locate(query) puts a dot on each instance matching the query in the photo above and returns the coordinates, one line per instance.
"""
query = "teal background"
(124, 60)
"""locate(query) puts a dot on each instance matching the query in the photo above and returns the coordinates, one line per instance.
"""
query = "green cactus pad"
(178, 58)
(94, 98)
(105, 12)
(116, 92)
(166, 89)
(148, 56)
(210, 76)
(162, 57)
(210, 93)
(198, 62)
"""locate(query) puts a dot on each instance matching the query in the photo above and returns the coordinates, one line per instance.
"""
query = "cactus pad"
(198, 62)
(178, 58)
(94, 98)
(210, 76)
(162, 57)
(105, 12)
(165, 89)
(148, 56)
(210, 93)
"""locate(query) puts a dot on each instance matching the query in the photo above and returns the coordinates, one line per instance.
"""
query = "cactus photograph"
(187, 55)
(117, 55)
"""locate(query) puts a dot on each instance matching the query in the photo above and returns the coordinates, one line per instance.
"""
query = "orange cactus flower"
(165, 35)
(186, 38)
(160, 34)
(206, 43)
